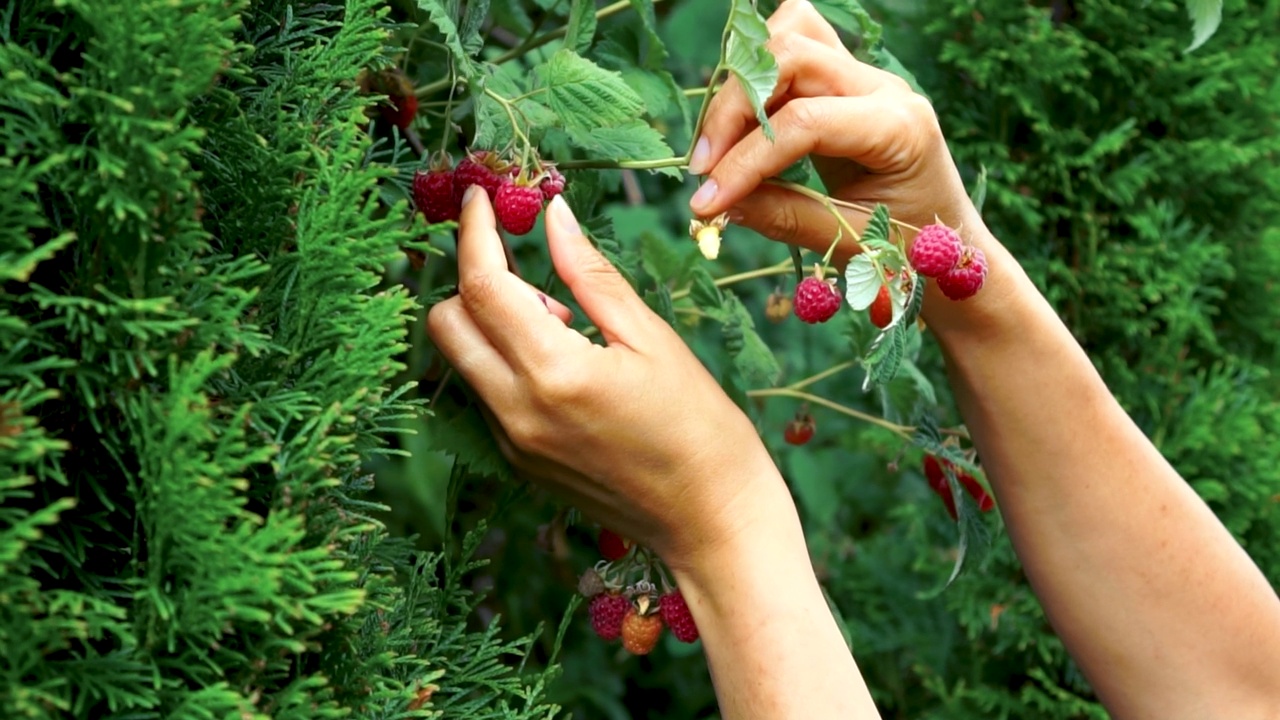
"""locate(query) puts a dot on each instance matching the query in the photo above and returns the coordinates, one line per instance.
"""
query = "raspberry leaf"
(914, 301)
(749, 60)
(442, 14)
(582, 25)
(634, 140)
(586, 96)
(862, 282)
(1206, 15)
(885, 358)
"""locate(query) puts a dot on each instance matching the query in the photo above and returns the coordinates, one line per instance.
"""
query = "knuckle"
(784, 223)
(478, 290)
(801, 115)
(442, 317)
(526, 434)
(556, 386)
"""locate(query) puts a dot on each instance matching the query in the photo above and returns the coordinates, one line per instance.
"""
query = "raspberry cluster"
(939, 253)
(625, 605)
(518, 194)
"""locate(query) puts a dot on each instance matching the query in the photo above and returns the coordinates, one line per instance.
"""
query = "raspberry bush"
(196, 424)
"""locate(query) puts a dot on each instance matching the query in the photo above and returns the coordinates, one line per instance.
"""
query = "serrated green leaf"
(924, 386)
(878, 226)
(659, 301)
(911, 308)
(662, 260)
(472, 25)
(861, 282)
(704, 292)
(462, 433)
(633, 141)
(849, 15)
(442, 14)
(1206, 16)
(799, 172)
(753, 358)
(581, 28)
(585, 96)
(885, 358)
(750, 61)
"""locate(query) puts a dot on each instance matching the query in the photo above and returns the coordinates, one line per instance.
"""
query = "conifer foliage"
(196, 353)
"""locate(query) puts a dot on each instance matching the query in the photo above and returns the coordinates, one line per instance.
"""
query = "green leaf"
(752, 357)
(663, 260)
(885, 358)
(442, 14)
(979, 195)
(463, 433)
(704, 292)
(473, 25)
(911, 308)
(748, 59)
(659, 301)
(861, 282)
(877, 226)
(849, 15)
(581, 26)
(585, 96)
(633, 141)
(1206, 15)
(886, 60)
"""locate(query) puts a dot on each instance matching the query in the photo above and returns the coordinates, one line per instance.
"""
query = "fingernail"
(469, 194)
(564, 215)
(543, 298)
(701, 153)
(705, 194)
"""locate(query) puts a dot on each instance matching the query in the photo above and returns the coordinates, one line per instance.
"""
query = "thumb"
(605, 296)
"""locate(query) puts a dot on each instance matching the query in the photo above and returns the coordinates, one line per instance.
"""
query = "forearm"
(773, 647)
(1163, 610)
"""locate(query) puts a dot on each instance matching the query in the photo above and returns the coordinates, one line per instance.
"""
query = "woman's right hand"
(870, 136)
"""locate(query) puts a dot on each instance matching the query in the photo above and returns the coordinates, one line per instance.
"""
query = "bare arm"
(1165, 613)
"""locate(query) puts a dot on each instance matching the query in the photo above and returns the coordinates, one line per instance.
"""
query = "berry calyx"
(433, 191)
(675, 613)
(640, 633)
(484, 168)
(552, 183)
(936, 250)
(608, 611)
(612, 545)
(590, 584)
(816, 299)
(881, 310)
(800, 429)
(517, 206)
(966, 278)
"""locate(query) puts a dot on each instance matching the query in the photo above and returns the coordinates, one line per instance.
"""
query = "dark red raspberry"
(552, 184)
(433, 195)
(675, 613)
(612, 545)
(517, 207)
(483, 168)
(935, 251)
(800, 429)
(816, 300)
(966, 278)
(607, 612)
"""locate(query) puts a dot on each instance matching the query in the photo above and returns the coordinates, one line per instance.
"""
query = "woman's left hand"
(635, 433)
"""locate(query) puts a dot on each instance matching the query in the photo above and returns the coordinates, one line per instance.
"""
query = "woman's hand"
(870, 136)
(636, 433)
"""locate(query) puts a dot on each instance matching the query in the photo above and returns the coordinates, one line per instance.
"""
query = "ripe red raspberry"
(881, 310)
(966, 278)
(612, 545)
(800, 429)
(433, 194)
(816, 300)
(607, 613)
(935, 251)
(640, 633)
(675, 613)
(552, 184)
(483, 168)
(517, 207)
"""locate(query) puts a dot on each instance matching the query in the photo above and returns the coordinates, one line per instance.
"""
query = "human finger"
(806, 68)
(881, 133)
(605, 296)
(505, 308)
(468, 350)
(792, 218)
